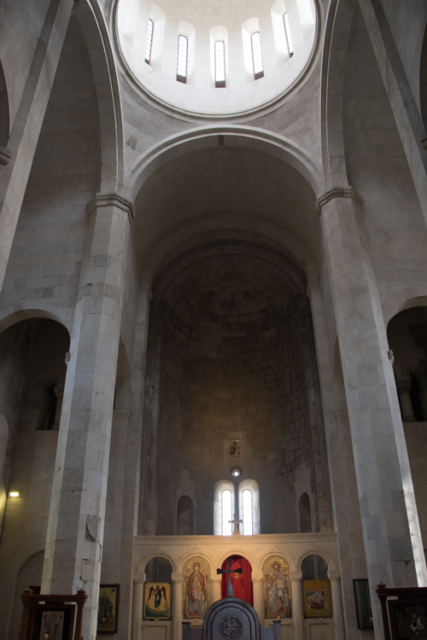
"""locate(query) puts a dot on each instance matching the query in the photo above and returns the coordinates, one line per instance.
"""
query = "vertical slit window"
(288, 35)
(257, 55)
(181, 68)
(219, 53)
(226, 512)
(149, 43)
(247, 513)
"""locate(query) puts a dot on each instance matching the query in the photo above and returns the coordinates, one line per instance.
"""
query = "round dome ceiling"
(216, 58)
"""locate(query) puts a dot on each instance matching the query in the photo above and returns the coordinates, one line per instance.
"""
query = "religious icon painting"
(52, 625)
(196, 588)
(108, 608)
(277, 588)
(317, 599)
(157, 601)
(234, 447)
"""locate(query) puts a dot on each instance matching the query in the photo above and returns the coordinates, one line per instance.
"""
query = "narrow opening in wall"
(247, 513)
(220, 63)
(288, 34)
(149, 43)
(257, 55)
(181, 69)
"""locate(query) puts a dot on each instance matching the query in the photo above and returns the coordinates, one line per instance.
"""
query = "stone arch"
(234, 136)
(406, 298)
(191, 554)
(337, 34)
(4, 110)
(11, 316)
(142, 562)
(235, 551)
(96, 36)
(327, 557)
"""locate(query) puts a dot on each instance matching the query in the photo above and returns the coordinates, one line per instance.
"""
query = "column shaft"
(177, 605)
(77, 512)
(258, 598)
(333, 576)
(215, 590)
(403, 387)
(138, 603)
(297, 605)
(392, 537)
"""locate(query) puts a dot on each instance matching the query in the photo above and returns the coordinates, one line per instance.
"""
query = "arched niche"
(304, 508)
(185, 516)
(158, 569)
(29, 575)
(254, 506)
(314, 567)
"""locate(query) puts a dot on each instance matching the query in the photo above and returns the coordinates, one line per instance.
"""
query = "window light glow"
(219, 63)
(149, 43)
(247, 513)
(181, 69)
(14, 494)
(257, 55)
(288, 34)
(226, 512)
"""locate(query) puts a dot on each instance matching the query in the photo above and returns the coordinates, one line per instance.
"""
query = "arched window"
(182, 59)
(219, 54)
(185, 516)
(223, 508)
(226, 513)
(304, 514)
(288, 34)
(149, 42)
(249, 507)
(257, 55)
(314, 567)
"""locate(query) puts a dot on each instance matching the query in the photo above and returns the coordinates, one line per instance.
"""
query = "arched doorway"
(242, 582)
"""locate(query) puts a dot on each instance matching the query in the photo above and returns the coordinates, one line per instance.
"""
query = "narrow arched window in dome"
(257, 55)
(219, 53)
(288, 34)
(248, 517)
(149, 43)
(182, 62)
(226, 514)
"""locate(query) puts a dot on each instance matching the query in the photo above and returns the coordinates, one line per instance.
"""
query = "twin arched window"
(246, 510)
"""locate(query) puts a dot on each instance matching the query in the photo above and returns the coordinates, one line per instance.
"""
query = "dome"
(236, 56)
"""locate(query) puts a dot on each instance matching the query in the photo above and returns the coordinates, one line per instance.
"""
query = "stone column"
(137, 613)
(334, 577)
(391, 531)
(17, 159)
(215, 588)
(403, 386)
(297, 604)
(177, 605)
(258, 594)
(77, 511)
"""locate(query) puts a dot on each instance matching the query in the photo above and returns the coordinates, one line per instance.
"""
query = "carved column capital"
(111, 200)
(337, 192)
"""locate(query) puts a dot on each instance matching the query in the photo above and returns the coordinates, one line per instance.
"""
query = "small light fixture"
(13, 494)
(236, 471)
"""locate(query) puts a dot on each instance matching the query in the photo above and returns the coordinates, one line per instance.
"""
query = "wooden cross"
(230, 586)
(235, 521)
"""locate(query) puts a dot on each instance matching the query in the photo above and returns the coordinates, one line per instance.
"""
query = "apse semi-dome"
(216, 57)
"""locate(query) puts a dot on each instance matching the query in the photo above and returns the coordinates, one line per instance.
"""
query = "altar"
(283, 585)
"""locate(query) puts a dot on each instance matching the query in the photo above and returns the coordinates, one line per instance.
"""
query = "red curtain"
(242, 583)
